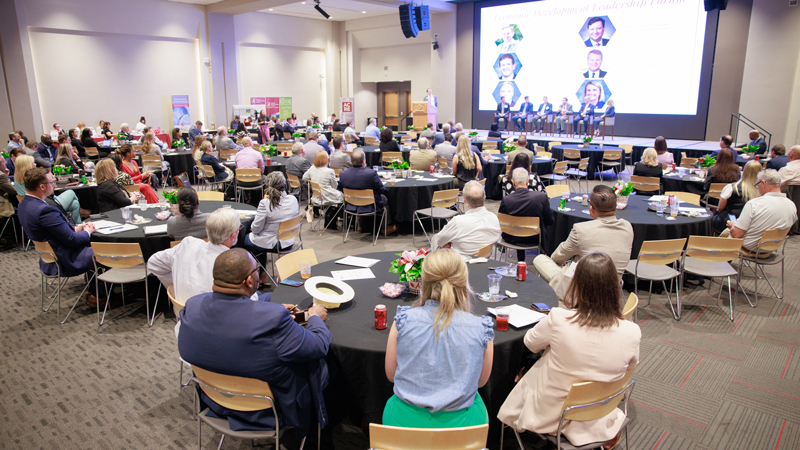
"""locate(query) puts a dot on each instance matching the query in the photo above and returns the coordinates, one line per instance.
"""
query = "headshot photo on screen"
(507, 66)
(597, 31)
(593, 93)
(593, 61)
(509, 90)
(509, 40)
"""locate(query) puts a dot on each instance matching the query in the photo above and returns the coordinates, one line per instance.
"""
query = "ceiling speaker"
(408, 21)
(423, 18)
(711, 5)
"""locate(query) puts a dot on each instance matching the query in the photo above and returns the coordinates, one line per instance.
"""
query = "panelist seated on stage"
(589, 341)
(502, 112)
(540, 118)
(564, 111)
(608, 112)
(606, 233)
(525, 203)
(423, 158)
(439, 340)
(224, 331)
(525, 109)
(757, 140)
(469, 232)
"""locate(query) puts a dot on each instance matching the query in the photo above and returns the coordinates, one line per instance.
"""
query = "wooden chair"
(572, 156)
(388, 157)
(363, 197)
(442, 163)
(399, 438)
(370, 140)
(630, 306)
(227, 155)
(489, 145)
(687, 197)
(714, 191)
(552, 144)
(609, 121)
(688, 163)
(770, 243)
(248, 176)
(288, 265)
(287, 135)
(91, 153)
(485, 252)
(482, 182)
(316, 192)
(646, 184)
(612, 159)
(213, 196)
(710, 257)
(555, 190)
(547, 155)
(579, 173)
(337, 172)
(558, 173)
(120, 263)
(132, 188)
(337, 134)
(442, 205)
(294, 184)
(208, 175)
(493, 151)
(518, 226)
(628, 150)
(656, 262)
(48, 255)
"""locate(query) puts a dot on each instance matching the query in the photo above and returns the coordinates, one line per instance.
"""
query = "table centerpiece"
(623, 190)
(409, 266)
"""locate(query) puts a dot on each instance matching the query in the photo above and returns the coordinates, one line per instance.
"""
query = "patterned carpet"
(703, 383)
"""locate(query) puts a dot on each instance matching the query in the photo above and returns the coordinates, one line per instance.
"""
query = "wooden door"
(391, 108)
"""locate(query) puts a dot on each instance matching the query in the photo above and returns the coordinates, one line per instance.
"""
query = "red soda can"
(380, 317)
(432, 168)
(269, 161)
(522, 271)
(674, 166)
(757, 157)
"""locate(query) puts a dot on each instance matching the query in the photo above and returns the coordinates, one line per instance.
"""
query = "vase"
(173, 207)
(622, 201)
(398, 173)
(414, 286)
(62, 178)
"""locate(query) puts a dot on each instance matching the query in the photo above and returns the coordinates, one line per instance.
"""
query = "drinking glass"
(305, 269)
(162, 206)
(127, 214)
(142, 203)
(494, 283)
(501, 314)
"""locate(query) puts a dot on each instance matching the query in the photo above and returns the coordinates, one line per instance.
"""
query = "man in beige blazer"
(521, 143)
(423, 158)
(605, 234)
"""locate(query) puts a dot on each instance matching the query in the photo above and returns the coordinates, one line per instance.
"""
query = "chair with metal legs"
(120, 263)
(579, 173)
(629, 310)
(611, 159)
(358, 198)
(290, 229)
(176, 308)
(289, 265)
(646, 184)
(441, 208)
(710, 257)
(656, 262)
(22, 230)
(770, 243)
(47, 255)
(316, 193)
(521, 227)
(249, 177)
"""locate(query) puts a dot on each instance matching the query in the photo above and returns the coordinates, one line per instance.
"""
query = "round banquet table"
(409, 194)
(647, 225)
(360, 349)
(86, 193)
(497, 167)
(593, 152)
(688, 183)
(373, 155)
(157, 242)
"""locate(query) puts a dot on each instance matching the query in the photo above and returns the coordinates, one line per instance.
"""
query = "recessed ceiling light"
(302, 3)
(363, 12)
(270, 9)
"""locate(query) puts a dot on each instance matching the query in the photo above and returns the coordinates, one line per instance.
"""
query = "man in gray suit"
(438, 137)
(522, 143)
(605, 234)
(223, 142)
(312, 146)
(563, 116)
(339, 159)
(446, 150)
(430, 98)
(428, 132)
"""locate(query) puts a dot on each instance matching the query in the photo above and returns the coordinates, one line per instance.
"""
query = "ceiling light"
(363, 12)
(320, 10)
(270, 9)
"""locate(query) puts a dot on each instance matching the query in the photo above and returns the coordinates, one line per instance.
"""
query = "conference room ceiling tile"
(339, 10)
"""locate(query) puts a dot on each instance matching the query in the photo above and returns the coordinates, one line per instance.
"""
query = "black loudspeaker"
(711, 5)
(408, 21)
(423, 18)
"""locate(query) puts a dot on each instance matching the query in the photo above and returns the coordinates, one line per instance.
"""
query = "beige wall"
(464, 46)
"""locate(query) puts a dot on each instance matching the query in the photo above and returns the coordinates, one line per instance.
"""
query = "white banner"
(347, 109)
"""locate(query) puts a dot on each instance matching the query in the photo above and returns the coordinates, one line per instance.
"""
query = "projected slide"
(643, 54)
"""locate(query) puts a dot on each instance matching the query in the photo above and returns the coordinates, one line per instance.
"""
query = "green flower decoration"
(397, 164)
(749, 149)
(171, 197)
(587, 139)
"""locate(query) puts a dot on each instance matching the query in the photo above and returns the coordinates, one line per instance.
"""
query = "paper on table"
(426, 179)
(100, 224)
(247, 212)
(354, 274)
(155, 229)
(519, 316)
(657, 198)
(115, 230)
(688, 209)
(441, 175)
(357, 261)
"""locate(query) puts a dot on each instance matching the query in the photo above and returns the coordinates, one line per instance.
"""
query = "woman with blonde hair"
(466, 165)
(66, 199)
(609, 112)
(110, 195)
(439, 353)
(734, 195)
(649, 165)
(22, 165)
(197, 149)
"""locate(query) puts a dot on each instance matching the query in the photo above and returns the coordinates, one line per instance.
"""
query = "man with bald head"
(790, 173)
(225, 332)
(757, 140)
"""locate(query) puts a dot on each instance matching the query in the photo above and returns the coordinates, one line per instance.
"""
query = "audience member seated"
(11, 161)
(88, 141)
(521, 144)
(439, 340)
(770, 210)
(23, 163)
(439, 136)
(446, 150)
(606, 233)
(125, 131)
(664, 155)
(351, 135)
(241, 132)
(141, 124)
(14, 141)
(493, 133)
(423, 158)
(221, 173)
(534, 182)
(372, 130)
(249, 158)
(649, 165)
(176, 136)
(735, 195)
(106, 131)
(66, 158)
(388, 144)
(298, 165)
(525, 203)
(778, 158)
(339, 159)
(47, 150)
(360, 177)
(76, 143)
(151, 147)
(123, 179)
(323, 175)
(110, 195)
(724, 170)
(225, 332)
(473, 230)
(31, 150)
(130, 166)
(8, 196)
(757, 140)
(609, 112)
(223, 142)
(725, 142)
(192, 221)
(312, 146)
(466, 164)
(196, 131)
(277, 206)
(589, 341)
(427, 133)
(790, 173)
(66, 201)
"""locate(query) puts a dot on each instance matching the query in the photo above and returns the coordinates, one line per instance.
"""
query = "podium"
(423, 113)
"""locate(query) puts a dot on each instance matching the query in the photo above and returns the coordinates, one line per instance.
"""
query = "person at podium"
(431, 99)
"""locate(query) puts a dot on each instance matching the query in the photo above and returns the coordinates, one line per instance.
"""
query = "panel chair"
(579, 173)
(609, 122)
(710, 257)
(772, 241)
(442, 208)
(389, 157)
(611, 159)
(558, 173)
(646, 184)
(363, 197)
(629, 309)
(686, 197)
(316, 192)
(238, 394)
(519, 227)
(555, 190)
(656, 262)
(288, 265)
(214, 196)
(586, 401)
(120, 263)
(385, 437)
(248, 176)
(47, 255)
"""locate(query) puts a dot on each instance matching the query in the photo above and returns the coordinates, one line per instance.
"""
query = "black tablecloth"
(687, 183)
(373, 155)
(496, 167)
(180, 162)
(409, 195)
(157, 242)
(361, 349)
(647, 226)
(86, 193)
(593, 152)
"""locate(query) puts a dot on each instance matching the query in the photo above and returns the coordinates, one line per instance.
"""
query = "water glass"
(142, 203)
(127, 214)
(305, 269)
(660, 209)
(494, 283)
(162, 206)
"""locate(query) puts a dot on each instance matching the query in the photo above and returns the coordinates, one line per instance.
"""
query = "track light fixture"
(320, 10)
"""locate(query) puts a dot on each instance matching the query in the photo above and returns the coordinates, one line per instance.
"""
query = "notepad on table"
(115, 230)
(519, 317)
(357, 261)
(155, 229)
(354, 274)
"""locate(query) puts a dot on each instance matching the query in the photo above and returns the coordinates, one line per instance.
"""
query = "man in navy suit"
(46, 223)
(586, 112)
(757, 140)
(47, 150)
(540, 120)
(224, 331)
(524, 109)
(359, 177)
(725, 141)
(503, 112)
(779, 158)
(596, 27)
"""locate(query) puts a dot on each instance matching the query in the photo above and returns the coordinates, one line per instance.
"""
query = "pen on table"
(116, 228)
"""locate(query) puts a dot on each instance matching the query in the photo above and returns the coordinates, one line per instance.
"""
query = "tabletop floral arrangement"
(472, 134)
(231, 132)
(269, 150)
(623, 190)
(298, 134)
(315, 126)
(508, 145)
(707, 161)
(172, 198)
(587, 140)
(178, 143)
(398, 165)
(122, 136)
(6, 155)
(749, 149)
(411, 127)
(61, 170)
(409, 266)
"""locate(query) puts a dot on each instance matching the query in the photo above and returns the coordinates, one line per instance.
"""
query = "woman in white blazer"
(590, 341)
